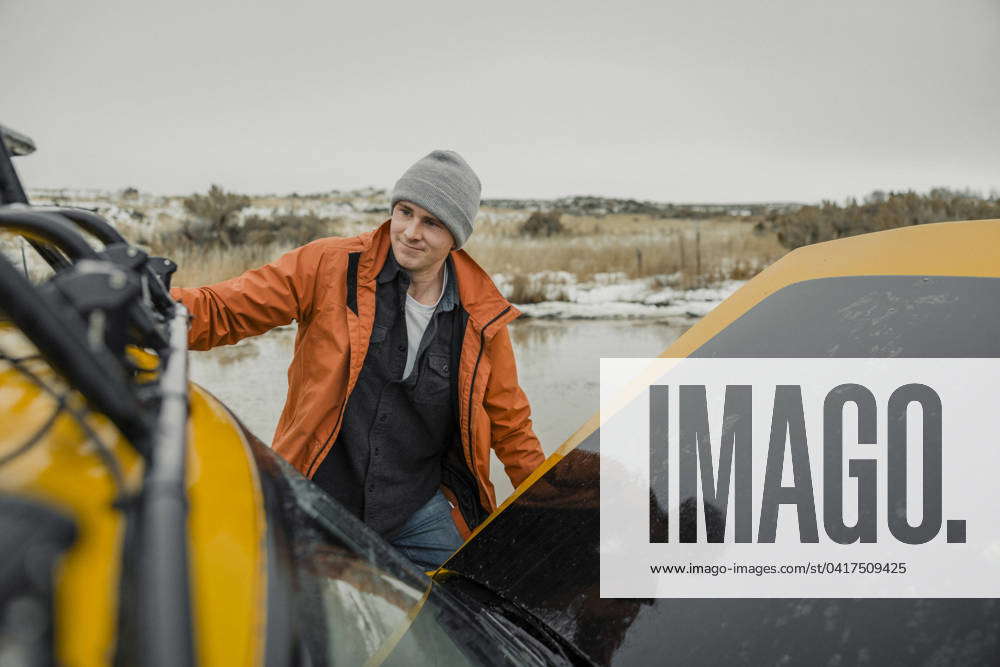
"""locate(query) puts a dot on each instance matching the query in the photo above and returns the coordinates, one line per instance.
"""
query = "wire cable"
(27, 357)
(24, 259)
(104, 452)
(36, 437)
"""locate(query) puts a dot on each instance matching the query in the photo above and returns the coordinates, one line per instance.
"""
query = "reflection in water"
(558, 364)
(558, 367)
(231, 354)
(528, 333)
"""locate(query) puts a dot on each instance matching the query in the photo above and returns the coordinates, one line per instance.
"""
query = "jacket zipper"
(472, 386)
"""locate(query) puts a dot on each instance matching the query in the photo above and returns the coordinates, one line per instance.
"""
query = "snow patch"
(613, 296)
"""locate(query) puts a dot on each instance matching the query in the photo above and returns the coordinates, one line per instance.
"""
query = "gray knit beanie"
(444, 184)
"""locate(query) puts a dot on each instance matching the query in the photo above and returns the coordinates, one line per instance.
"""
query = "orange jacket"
(312, 284)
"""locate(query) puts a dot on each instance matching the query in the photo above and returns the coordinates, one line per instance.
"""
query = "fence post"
(697, 250)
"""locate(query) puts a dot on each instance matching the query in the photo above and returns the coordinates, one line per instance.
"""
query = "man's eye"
(432, 223)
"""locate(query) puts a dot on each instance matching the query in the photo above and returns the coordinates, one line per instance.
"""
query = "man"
(403, 376)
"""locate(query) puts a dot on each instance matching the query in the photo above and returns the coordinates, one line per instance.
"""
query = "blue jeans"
(429, 536)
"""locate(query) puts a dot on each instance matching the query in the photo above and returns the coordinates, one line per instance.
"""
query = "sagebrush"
(828, 221)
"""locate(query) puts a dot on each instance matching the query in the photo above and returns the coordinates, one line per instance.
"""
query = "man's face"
(419, 240)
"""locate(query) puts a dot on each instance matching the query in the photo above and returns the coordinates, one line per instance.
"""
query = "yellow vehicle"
(142, 524)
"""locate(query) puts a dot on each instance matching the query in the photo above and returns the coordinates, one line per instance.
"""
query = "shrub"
(813, 224)
(543, 223)
(215, 216)
(287, 228)
(535, 289)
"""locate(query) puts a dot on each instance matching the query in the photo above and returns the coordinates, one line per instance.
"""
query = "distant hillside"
(588, 205)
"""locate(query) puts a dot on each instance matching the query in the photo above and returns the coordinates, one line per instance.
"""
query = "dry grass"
(536, 288)
(693, 253)
(204, 265)
(678, 252)
(199, 265)
(635, 246)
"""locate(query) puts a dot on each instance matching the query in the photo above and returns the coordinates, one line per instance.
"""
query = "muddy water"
(557, 364)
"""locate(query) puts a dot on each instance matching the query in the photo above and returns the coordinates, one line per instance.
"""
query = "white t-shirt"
(417, 317)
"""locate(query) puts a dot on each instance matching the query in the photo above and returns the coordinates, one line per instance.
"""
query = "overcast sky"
(731, 100)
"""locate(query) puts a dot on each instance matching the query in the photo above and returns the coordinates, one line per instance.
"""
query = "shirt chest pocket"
(379, 334)
(434, 383)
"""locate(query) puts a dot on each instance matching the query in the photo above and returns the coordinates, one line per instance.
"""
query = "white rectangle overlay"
(784, 534)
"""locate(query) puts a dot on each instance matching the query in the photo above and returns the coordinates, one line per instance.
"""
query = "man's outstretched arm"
(254, 302)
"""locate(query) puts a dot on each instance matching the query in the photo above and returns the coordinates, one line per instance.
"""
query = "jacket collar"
(449, 295)
(476, 291)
